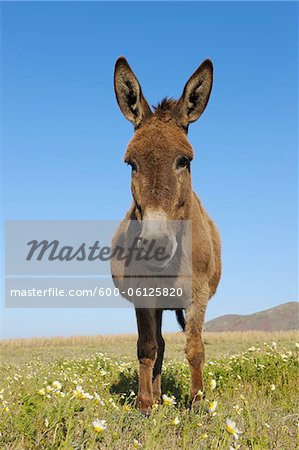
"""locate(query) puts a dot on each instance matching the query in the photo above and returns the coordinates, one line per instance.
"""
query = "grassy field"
(55, 393)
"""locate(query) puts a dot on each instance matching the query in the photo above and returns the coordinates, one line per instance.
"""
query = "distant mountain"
(280, 318)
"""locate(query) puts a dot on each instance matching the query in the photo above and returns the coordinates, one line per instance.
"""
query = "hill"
(280, 318)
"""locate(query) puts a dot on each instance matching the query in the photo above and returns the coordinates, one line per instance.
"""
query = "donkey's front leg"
(195, 350)
(147, 353)
(159, 361)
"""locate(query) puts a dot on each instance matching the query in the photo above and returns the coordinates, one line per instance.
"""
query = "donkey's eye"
(133, 166)
(182, 162)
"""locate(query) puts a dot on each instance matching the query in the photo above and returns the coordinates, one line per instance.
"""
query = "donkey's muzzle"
(157, 251)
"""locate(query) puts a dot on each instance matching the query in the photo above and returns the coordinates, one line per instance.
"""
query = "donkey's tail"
(180, 318)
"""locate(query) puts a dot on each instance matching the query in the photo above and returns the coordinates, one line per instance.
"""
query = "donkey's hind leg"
(194, 349)
(159, 361)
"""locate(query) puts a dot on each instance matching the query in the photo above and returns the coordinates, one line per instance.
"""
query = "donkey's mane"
(165, 105)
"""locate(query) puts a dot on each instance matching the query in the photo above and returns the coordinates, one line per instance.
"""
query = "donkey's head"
(159, 153)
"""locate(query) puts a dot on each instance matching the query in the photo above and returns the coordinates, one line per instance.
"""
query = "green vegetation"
(79, 394)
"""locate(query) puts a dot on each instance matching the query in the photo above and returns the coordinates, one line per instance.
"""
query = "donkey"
(160, 156)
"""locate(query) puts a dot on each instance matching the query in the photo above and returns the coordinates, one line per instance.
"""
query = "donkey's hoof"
(197, 401)
(196, 405)
(157, 399)
(144, 406)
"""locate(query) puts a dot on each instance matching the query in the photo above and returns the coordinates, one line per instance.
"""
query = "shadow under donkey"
(128, 382)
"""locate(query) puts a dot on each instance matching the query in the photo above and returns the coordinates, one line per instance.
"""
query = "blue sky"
(64, 137)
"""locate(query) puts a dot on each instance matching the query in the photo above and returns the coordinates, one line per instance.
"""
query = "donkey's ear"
(195, 95)
(129, 94)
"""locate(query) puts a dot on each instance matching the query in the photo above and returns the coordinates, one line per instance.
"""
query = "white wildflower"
(169, 401)
(231, 428)
(213, 384)
(99, 425)
(175, 421)
(57, 385)
(213, 406)
(98, 399)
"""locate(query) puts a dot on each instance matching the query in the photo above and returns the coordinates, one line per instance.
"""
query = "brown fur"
(159, 184)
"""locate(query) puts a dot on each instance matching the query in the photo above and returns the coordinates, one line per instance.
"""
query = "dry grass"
(61, 340)
(210, 338)
(252, 336)
(14, 351)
